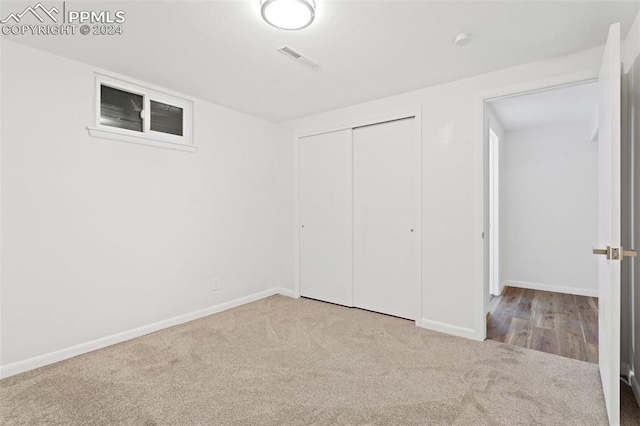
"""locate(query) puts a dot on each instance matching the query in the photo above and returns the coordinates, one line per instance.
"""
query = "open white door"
(609, 224)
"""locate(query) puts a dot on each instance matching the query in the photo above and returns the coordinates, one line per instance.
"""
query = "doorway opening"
(542, 207)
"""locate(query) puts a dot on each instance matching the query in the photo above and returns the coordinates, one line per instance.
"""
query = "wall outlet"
(216, 284)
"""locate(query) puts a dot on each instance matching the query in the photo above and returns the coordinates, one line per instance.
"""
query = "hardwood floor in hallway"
(556, 323)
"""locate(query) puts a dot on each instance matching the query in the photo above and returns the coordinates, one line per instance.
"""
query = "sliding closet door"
(386, 173)
(326, 217)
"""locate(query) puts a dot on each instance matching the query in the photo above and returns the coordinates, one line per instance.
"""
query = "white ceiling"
(223, 52)
(564, 105)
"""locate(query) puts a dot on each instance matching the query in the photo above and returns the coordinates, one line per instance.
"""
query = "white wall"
(550, 195)
(630, 293)
(100, 237)
(449, 237)
(634, 294)
(631, 45)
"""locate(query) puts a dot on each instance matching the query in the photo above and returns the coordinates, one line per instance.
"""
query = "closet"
(359, 209)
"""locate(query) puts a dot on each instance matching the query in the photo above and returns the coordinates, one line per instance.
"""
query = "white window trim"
(147, 136)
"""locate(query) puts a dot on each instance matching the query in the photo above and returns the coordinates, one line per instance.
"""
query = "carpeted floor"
(282, 361)
(629, 409)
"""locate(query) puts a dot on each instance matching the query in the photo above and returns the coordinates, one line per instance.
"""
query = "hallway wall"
(550, 220)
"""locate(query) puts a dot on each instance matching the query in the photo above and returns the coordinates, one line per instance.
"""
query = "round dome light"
(288, 14)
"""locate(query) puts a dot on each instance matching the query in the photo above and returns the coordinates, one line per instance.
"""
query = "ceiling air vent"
(298, 57)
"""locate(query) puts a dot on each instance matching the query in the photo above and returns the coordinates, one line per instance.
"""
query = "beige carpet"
(296, 362)
(629, 409)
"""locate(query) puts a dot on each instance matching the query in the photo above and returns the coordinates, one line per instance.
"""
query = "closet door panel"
(387, 218)
(326, 217)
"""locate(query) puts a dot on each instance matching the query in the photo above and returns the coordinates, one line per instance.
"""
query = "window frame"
(147, 136)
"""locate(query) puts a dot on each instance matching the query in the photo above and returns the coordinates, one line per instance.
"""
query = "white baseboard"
(62, 354)
(493, 304)
(455, 330)
(551, 287)
(286, 292)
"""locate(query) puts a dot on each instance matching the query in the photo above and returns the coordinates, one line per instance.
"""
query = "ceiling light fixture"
(288, 14)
